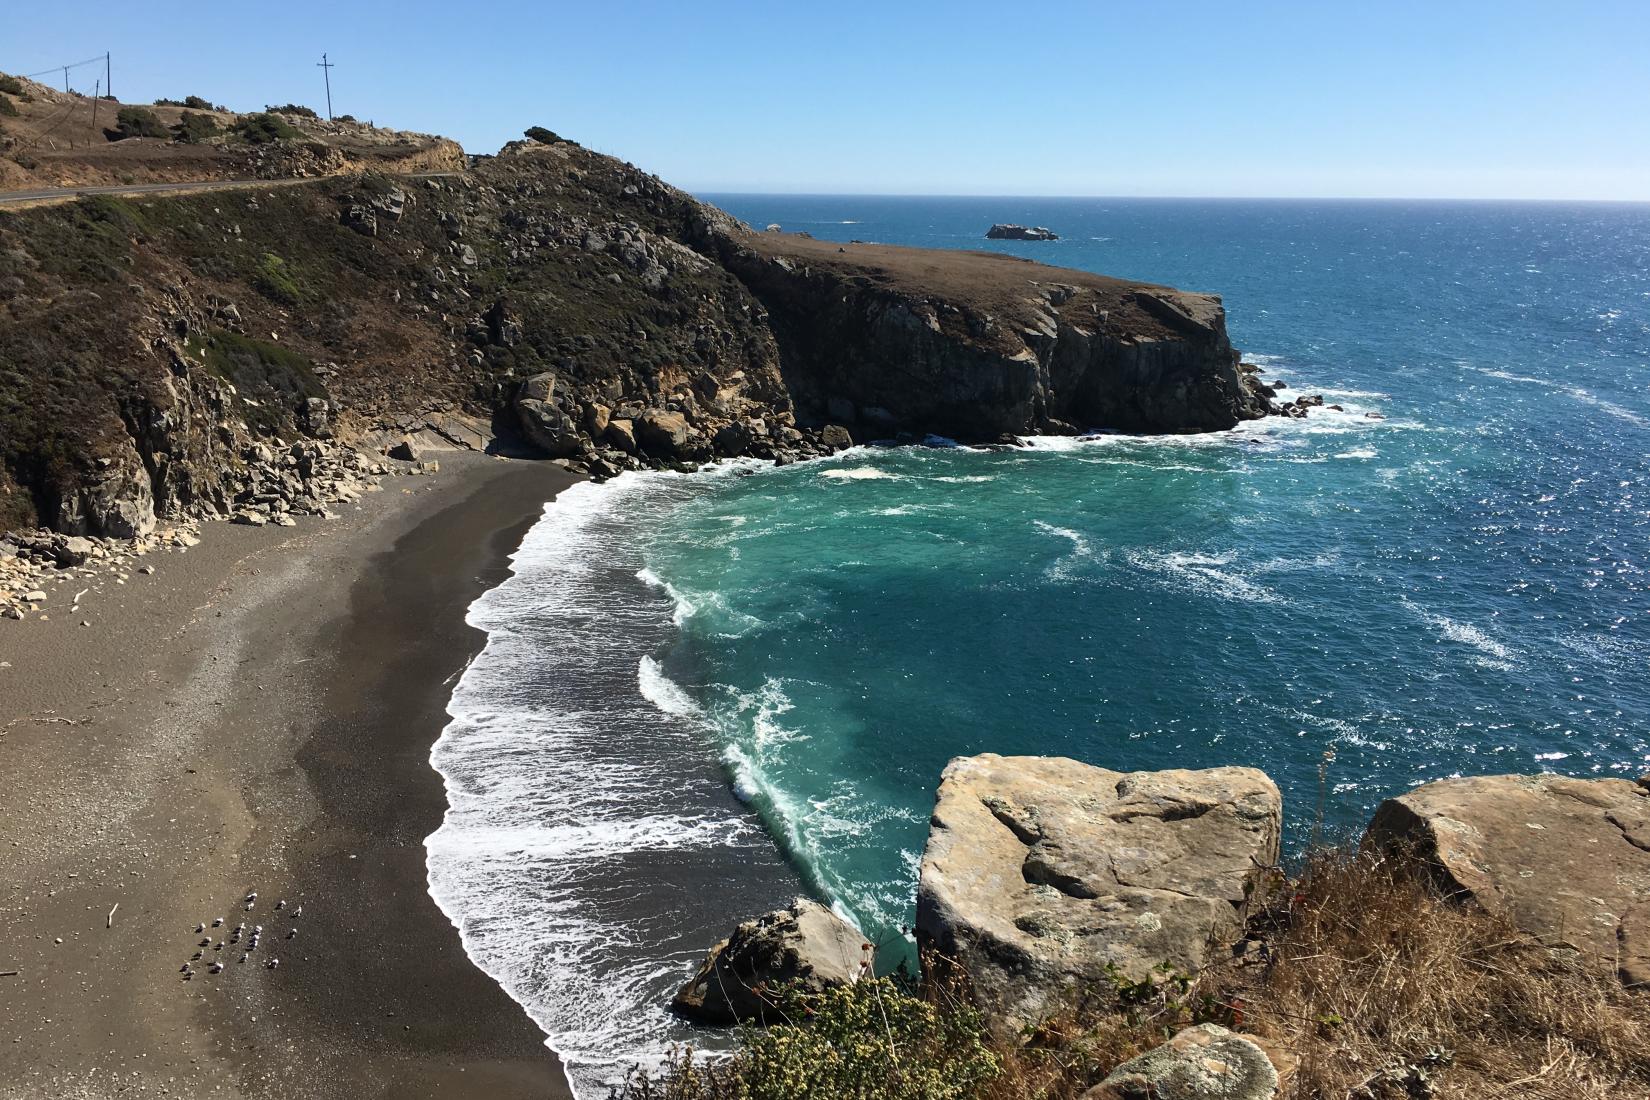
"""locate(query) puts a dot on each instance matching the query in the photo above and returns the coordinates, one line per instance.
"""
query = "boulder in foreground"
(1046, 880)
(1205, 1062)
(1567, 860)
(804, 946)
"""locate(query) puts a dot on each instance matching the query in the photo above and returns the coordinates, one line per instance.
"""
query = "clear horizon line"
(1165, 198)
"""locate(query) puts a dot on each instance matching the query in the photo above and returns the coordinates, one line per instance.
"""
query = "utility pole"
(65, 78)
(326, 71)
(93, 137)
(108, 83)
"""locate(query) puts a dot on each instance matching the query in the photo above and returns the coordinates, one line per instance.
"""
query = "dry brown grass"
(1385, 990)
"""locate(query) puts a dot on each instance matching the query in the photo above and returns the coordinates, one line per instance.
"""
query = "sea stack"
(1007, 231)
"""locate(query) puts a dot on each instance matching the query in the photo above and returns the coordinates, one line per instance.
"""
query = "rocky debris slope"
(805, 947)
(1204, 1062)
(1047, 881)
(1567, 859)
(44, 572)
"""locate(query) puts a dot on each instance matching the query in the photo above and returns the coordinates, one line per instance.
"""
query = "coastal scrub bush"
(293, 109)
(275, 280)
(541, 135)
(194, 128)
(273, 377)
(7, 107)
(870, 1039)
(261, 129)
(11, 85)
(134, 122)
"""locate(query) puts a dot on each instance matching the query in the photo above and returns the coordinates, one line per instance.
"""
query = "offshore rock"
(1007, 231)
(1205, 1062)
(1568, 860)
(1045, 879)
(804, 946)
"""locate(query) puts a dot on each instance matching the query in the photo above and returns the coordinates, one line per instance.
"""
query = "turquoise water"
(1457, 588)
(701, 693)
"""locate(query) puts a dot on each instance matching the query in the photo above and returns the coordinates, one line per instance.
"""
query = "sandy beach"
(256, 716)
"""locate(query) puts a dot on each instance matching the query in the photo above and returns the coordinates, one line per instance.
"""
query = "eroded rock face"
(1045, 877)
(805, 944)
(1205, 1062)
(1567, 859)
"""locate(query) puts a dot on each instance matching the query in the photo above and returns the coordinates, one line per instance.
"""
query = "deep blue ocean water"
(783, 662)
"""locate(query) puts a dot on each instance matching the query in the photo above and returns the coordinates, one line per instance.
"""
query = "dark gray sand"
(257, 715)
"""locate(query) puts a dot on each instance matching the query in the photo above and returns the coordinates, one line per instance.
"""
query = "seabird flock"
(235, 935)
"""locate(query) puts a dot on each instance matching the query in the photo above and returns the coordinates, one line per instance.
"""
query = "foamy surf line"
(580, 813)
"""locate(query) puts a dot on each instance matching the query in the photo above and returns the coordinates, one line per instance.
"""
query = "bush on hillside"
(7, 107)
(134, 122)
(869, 1039)
(11, 86)
(293, 109)
(194, 128)
(543, 136)
(261, 129)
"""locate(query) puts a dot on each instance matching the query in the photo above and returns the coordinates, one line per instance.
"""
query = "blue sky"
(1388, 99)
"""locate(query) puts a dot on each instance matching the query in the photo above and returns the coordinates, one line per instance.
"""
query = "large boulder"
(1045, 879)
(662, 433)
(1205, 1062)
(543, 422)
(1567, 860)
(805, 946)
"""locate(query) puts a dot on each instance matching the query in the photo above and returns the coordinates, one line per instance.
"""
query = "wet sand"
(257, 715)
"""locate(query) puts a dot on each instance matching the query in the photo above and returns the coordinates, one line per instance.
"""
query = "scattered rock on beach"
(805, 944)
(1044, 878)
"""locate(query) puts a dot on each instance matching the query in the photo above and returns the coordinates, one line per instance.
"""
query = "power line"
(326, 68)
(72, 65)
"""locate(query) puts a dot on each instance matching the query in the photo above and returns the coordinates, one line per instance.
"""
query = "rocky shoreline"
(1054, 891)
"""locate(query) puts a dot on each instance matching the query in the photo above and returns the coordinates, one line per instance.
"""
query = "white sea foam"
(1204, 574)
(1491, 653)
(572, 762)
(1065, 566)
(858, 473)
(1578, 393)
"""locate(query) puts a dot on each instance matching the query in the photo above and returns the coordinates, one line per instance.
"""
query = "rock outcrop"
(973, 345)
(1046, 880)
(1205, 1062)
(1568, 860)
(1008, 231)
(805, 947)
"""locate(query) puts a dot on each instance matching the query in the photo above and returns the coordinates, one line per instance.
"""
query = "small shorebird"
(196, 956)
(291, 933)
(217, 922)
(207, 942)
(216, 968)
(298, 912)
(244, 955)
(281, 904)
(199, 928)
(273, 963)
(185, 968)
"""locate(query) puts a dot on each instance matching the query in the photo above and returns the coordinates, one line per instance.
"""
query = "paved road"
(51, 194)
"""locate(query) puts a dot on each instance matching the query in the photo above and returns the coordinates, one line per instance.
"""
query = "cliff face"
(160, 358)
(975, 345)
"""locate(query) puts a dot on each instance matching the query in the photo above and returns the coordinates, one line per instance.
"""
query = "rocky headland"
(257, 353)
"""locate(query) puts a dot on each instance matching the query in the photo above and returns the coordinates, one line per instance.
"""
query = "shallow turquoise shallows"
(1458, 587)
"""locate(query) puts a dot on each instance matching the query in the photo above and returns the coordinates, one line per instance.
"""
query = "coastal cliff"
(253, 352)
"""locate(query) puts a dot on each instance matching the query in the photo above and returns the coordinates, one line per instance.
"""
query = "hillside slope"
(162, 357)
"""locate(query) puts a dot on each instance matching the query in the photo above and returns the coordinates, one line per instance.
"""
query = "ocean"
(704, 693)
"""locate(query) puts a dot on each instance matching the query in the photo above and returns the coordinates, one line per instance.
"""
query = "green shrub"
(197, 103)
(274, 378)
(11, 86)
(7, 107)
(261, 129)
(138, 122)
(543, 136)
(164, 102)
(293, 109)
(193, 128)
(348, 118)
(869, 1039)
(274, 279)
